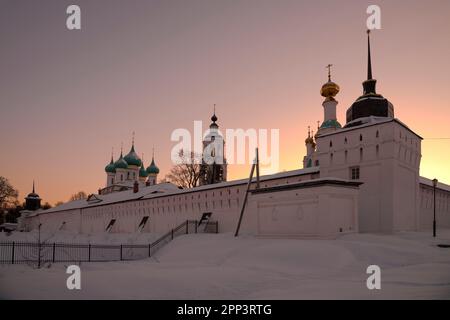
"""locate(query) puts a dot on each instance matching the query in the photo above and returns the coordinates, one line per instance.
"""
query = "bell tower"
(214, 165)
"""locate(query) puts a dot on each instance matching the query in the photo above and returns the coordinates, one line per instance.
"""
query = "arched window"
(378, 150)
(331, 158)
(360, 137)
(346, 155)
(378, 134)
(360, 154)
(345, 140)
(331, 144)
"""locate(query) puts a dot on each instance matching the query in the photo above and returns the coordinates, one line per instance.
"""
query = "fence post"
(12, 256)
(53, 254)
(120, 252)
(39, 255)
(187, 226)
(89, 252)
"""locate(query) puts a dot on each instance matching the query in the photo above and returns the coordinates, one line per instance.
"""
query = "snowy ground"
(210, 266)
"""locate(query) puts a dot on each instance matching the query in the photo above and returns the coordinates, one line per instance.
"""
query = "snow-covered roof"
(112, 198)
(226, 184)
(367, 122)
(429, 182)
(165, 189)
(310, 183)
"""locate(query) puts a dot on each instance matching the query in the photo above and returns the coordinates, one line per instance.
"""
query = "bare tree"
(8, 195)
(46, 206)
(186, 173)
(58, 203)
(78, 196)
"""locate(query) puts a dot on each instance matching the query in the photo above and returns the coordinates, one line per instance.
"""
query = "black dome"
(370, 104)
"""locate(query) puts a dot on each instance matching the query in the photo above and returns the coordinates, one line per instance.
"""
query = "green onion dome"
(142, 172)
(152, 168)
(110, 168)
(132, 158)
(121, 163)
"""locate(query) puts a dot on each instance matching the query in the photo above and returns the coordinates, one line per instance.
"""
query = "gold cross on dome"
(329, 71)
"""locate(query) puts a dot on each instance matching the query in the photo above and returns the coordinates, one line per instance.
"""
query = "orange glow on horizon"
(67, 98)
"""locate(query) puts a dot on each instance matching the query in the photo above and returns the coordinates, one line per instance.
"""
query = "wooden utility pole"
(257, 168)
(254, 165)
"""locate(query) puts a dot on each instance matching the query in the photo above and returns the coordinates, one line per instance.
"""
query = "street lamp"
(435, 181)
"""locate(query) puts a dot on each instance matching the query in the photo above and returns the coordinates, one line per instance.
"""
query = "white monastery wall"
(166, 211)
(322, 211)
(426, 205)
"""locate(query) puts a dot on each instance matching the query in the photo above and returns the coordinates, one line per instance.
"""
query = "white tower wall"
(388, 166)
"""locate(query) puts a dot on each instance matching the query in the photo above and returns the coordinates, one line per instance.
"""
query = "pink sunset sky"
(68, 97)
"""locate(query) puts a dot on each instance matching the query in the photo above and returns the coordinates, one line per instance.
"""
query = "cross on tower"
(329, 71)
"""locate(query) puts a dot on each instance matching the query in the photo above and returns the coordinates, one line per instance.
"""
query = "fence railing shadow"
(19, 252)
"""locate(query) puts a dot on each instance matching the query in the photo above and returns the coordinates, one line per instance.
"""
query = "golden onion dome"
(309, 140)
(329, 90)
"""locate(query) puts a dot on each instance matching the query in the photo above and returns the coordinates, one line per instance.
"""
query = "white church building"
(359, 177)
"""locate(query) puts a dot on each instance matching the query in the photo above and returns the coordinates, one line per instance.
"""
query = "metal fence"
(40, 253)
